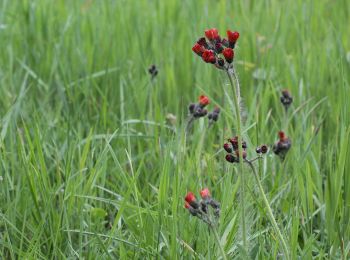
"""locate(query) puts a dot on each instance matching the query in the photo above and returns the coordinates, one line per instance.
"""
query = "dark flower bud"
(286, 99)
(214, 204)
(258, 150)
(230, 158)
(202, 41)
(282, 146)
(264, 148)
(204, 112)
(215, 117)
(286, 94)
(234, 142)
(227, 148)
(218, 47)
(244, 145)
(191, 107)
(221, 62)
(153, 71)
(204, 206)
(216, 110)
(198, 112)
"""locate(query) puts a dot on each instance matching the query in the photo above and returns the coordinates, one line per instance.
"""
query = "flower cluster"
(217, 51)
(153, 71)
(232, 149)
(286, 99)
(198, 110)
(214, 116)
(201, 209)
(282, 146)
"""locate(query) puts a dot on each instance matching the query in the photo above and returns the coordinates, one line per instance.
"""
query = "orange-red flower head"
(212, 34)
(282, 136)
(190, 198)
(198, 49)
(228, 54)
(209, 56)
(232, 36)
(205, 193)
(203, 100)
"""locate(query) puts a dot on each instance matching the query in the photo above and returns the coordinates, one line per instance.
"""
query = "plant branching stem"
(237, 100)
(269, 211)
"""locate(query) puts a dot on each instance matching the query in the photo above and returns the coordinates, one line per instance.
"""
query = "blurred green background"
(91, 168)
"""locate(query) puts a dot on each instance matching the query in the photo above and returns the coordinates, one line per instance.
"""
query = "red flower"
(212, 34)
(228, 54)
(203, 100)
(208, 56)
(205, 193)
(198, 49)
(190, 198)
(282, 136)
(232, 36)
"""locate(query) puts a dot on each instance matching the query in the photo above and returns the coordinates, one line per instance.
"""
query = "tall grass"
(88, 170)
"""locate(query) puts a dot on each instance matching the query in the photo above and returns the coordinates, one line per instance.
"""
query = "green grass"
(83, 131)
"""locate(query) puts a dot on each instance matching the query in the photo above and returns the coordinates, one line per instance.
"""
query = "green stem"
(269, 211)
(218, 242)
(237, 99)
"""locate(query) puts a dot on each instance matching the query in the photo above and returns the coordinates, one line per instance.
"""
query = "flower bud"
(232, 38)
(205, 193)
(227, 148)
(191, 107)
(202, 42)
(230, 158)
(264, 148)
(203, 100)
(198, 49)
(209, 56)
(212, 34)
(228, 54)
(191, 200)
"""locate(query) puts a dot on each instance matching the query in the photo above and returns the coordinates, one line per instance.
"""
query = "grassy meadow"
(94, 161)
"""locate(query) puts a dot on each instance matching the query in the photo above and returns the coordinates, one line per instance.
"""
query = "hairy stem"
(237, 100)
(223, 254)
(269, 211)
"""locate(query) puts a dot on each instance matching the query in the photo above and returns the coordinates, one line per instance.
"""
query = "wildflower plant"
(198, 110)
(207, 210)
(220, 52)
